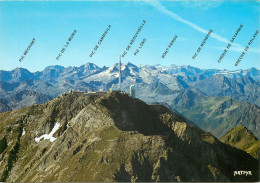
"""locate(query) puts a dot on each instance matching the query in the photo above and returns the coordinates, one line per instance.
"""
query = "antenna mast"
(120, 73)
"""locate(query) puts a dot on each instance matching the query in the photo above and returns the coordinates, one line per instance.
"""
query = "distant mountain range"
(154, 83)
(52, 73)
(217, 114)
(243, 89)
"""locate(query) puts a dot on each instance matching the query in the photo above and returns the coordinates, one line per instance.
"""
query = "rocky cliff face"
(112, 138)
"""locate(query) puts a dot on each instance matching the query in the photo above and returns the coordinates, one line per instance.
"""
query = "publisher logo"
(242, 172)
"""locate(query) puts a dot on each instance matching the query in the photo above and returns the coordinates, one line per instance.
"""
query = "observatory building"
(114, 88)
(119, 72)
(132, 91)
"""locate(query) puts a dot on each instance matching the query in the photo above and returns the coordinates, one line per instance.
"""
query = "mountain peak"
(218, 80)
(54, 67)
(20, 69)
(252, 69)
(91, 66)
(219, 76)
(246, 80)
(19, 74)
(129, 64)
(242, 138)
(241, 130)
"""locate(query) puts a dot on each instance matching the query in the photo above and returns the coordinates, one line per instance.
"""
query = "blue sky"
(52, 22)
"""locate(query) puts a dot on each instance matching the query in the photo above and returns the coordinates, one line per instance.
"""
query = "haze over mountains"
(153, 81)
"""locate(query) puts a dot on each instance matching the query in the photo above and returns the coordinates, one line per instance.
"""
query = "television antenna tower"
(120, 73)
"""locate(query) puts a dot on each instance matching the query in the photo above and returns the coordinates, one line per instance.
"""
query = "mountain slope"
(112, 138)
(243, 89)
(26, 98)
(3, 106)
(217, 114)
(242, 138)
(16, 75)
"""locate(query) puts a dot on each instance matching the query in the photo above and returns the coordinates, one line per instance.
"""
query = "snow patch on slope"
(49, 136)
(23, 131)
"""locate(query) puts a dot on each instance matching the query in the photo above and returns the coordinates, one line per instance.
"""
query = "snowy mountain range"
(154, 83)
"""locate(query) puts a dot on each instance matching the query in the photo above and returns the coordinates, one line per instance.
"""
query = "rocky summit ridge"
(112, 137)
(242, 138)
